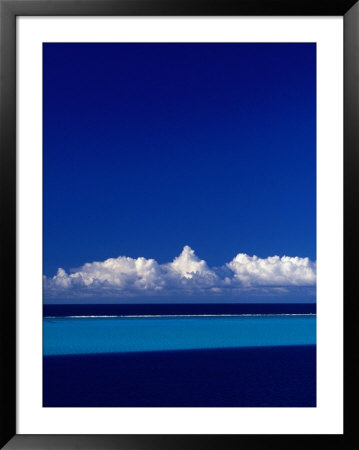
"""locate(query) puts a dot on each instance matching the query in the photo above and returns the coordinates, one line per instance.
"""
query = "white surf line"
(179, 315)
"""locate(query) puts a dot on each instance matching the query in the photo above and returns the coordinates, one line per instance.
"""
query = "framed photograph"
(173, 187)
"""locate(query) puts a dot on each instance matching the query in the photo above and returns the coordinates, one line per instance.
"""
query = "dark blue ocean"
(179, 355)
(177, 309)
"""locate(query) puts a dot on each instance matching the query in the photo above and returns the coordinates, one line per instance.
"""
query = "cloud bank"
(185, 275)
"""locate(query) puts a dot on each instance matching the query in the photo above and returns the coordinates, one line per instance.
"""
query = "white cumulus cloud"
(186, 274)
(272, 271)
(187, 264)
(119, 273)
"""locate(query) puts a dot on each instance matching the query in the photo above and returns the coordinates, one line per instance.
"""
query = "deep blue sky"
(148, 147)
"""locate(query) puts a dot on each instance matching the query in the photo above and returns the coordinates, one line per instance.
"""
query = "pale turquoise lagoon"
(97, 335)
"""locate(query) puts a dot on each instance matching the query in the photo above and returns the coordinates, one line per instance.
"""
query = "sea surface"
(187, 355)
(177, 309)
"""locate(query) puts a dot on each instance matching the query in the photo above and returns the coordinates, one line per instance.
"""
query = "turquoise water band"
(71, 336)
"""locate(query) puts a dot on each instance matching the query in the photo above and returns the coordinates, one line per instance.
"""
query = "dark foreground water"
(280, 376)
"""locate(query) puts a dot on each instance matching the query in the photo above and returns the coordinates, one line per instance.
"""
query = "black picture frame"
(9, 10)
